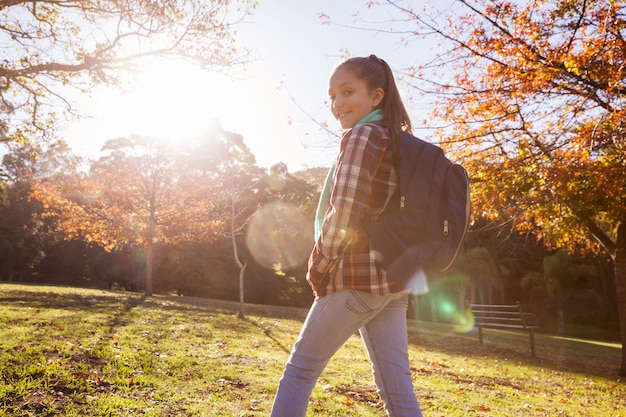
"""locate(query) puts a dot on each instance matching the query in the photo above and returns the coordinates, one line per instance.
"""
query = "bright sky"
(270, 103)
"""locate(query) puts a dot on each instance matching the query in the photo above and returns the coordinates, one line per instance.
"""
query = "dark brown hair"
(376, 73)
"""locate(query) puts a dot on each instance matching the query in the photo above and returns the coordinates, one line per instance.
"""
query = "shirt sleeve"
(361, 152)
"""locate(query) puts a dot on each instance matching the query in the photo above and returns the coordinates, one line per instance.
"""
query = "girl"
(351, 292)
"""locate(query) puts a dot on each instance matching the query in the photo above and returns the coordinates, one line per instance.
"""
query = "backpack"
(423, 226)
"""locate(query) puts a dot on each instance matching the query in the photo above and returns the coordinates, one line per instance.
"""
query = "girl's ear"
(377, 96)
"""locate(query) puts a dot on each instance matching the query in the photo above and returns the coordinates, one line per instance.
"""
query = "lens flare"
(449, 296)
(280, 236)
(465, 322)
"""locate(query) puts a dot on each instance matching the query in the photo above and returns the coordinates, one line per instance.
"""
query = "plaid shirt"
(363, 184)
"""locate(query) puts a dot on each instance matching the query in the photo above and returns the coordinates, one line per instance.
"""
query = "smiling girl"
(351, 291)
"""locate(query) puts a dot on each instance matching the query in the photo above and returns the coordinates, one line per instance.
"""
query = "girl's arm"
(361, 152)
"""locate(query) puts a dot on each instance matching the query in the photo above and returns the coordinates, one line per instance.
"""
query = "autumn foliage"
(532, 96)
(145, 192)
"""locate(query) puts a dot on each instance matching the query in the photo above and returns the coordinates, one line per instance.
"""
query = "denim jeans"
(332, 319)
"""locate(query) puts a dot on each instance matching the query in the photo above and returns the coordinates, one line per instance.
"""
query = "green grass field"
(79, 352)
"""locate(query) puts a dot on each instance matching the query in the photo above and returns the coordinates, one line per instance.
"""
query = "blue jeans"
(332, 319)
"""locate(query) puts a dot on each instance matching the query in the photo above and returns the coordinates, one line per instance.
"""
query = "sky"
(272, 102)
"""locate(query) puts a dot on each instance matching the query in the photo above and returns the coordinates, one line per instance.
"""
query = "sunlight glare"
(175, 101)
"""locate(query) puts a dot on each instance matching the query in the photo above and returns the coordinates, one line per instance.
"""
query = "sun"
(172, 101)
(177, 102)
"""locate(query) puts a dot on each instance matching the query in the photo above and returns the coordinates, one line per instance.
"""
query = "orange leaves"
(572, 66)
(537, 114)
(138, 192)
(482, 407)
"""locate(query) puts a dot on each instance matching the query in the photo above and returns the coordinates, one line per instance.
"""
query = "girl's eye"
(347, 93)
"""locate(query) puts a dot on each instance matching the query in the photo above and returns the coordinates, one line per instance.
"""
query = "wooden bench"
(504, 317)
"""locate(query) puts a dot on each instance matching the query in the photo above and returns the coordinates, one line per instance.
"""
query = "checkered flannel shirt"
(363, 184)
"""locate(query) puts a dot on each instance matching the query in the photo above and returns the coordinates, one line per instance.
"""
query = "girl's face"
(350, 99)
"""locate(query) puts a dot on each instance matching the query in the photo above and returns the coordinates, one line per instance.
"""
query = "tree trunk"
(502, 291)
(150, 252)
(242, 266)
(560, 314)
(149, 257)
(620, 287)
(242, 270)
(462, 300)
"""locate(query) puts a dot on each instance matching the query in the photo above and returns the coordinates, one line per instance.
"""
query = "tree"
(280, 237)
(24, 231)
(49, 45)
(561, 278)
(478, 264)
(142, 192)
(266, 208)
(532, 97)
(244, 183)
(515, 253)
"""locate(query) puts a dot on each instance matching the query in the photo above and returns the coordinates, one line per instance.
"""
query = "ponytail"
(377, 74)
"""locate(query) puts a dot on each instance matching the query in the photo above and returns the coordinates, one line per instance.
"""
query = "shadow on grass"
(268, 332)
(75, 300)
(209, 307)
(56, 298)
(117, 307)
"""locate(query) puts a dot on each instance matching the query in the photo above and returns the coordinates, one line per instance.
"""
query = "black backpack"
(423, 226)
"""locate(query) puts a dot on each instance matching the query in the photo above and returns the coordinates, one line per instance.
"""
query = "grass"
(80, 352)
